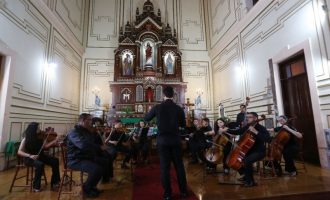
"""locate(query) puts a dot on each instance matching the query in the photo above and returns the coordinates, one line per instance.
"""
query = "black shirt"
(260, 139)
(169, 118)
(292, 141)
(240, 118)
(142, 134)
(119, 136)
(200, 134)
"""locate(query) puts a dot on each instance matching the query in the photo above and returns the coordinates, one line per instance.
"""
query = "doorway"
(1, 59)
(297, 103)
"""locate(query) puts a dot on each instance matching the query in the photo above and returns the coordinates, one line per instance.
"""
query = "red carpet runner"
(147, 185)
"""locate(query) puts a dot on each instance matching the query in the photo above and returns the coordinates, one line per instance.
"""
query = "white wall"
(242, 42)
(34, 33)
(106, 16)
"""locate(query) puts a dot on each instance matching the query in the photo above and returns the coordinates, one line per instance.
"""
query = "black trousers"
(123, 149)
(289, 152)
(248, 161)
(92, 168)
(168, 154)
(39, 165)
(106, 161)
(226, 151)
(143, 147)
(197, 151)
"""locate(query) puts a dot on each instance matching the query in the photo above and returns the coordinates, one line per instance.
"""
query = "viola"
(243, 146)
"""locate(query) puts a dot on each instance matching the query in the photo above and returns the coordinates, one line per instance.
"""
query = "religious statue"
(221, 110)
(198, 101)
(126, 96)
(127, 65)
(97, 101)
(148, 53)
(169, 64)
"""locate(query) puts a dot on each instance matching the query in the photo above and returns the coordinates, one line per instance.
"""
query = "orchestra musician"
(116, 142)
(83, 155)
(258, 150)
(241, 117)
(32, 150)
(198, 143)
(219, 125)
(141, 143)
(290, 149)
(98, 135)
(193, 140)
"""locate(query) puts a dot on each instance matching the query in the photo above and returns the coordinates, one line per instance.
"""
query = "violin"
(243, 146)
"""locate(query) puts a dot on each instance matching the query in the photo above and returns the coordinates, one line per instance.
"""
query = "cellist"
(219, 125)
(258, 150)
(290, 149)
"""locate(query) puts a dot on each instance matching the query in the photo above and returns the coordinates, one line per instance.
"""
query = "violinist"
(198, 143)
(219, 125)
(258, 150)
(141, 143)
(116, 141)
(104, 156)
(193, 142)
(290, 149)
(32, 149)
(83, 155)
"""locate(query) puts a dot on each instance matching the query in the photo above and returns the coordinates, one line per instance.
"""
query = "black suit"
(169, 118)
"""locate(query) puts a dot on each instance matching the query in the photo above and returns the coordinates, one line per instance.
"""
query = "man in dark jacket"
(82, 154)
(258, 150)
(170, 117)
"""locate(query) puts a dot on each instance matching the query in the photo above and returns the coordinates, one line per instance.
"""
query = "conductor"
(170, 117)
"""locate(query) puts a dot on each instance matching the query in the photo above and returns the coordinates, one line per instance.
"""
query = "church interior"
(227, 61)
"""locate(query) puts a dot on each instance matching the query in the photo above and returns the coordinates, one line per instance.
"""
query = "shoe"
(124, 166)
(183, 195)
(242, 179)
(97, 191)
(36, 190)
(193, 162)
(249, 184)
(292, 174)
(226, 171)
(91, 194)
(167, 198)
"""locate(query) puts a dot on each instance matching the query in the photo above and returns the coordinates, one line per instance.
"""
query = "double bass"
(243, 146)
(278, 143)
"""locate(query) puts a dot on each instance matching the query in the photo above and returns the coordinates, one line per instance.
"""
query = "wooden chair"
(267, 168)
(28, 175)
(67, 175)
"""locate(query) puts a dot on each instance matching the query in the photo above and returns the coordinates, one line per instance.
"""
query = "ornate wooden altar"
(146, 60)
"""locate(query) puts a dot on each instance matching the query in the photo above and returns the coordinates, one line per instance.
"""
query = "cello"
(278, 143)
(215, 153)
(243, 146)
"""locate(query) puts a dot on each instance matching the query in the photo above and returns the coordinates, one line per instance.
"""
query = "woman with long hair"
(32, 150)
(219, 125)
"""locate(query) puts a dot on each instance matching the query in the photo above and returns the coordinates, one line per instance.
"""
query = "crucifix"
(188, 117)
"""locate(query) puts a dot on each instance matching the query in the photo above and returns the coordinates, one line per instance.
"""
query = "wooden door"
(297, 103)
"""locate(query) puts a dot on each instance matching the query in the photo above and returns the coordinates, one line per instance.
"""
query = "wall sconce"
(96, 91)
(50, 69)
(199, 92)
